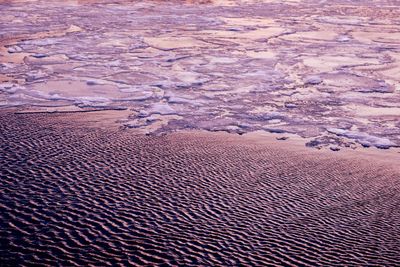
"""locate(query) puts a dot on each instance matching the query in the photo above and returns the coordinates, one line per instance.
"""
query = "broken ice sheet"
(364, 138)
(224, 64)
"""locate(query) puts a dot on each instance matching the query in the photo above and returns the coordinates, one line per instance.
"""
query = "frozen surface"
(300, 67)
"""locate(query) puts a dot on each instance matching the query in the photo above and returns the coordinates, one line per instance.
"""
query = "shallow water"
(239, 66)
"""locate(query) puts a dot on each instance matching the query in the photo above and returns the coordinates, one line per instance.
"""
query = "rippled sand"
(77, 193)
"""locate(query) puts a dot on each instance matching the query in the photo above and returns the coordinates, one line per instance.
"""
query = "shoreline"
(113, 118)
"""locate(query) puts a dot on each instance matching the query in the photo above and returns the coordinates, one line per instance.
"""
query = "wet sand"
(78, 193)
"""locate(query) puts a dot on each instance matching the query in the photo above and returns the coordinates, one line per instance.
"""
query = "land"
(76, 193)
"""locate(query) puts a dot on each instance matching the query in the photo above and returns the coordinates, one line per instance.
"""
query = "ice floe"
(161, 108)
(313, 79)
(364, 139)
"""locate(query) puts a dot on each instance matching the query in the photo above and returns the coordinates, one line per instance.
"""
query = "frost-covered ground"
(327, 70)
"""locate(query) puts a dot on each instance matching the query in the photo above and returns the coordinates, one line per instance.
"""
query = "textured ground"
(75, 194)
(322, 69)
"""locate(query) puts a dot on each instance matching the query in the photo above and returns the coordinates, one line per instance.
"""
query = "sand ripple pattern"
(77, 196)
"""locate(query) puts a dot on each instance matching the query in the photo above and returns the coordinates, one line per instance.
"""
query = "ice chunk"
(138, 96)
(35, 75)
(39, 55)
(313, 79)
(334, 148)
(364, 138)
(162, 108)
(274, 130)
(340, 20)
(222, 60)
(268, 116)
(382, 87)
(10, 88)
(190, 79)
(90, 101)
(290, 105)
(137, 88)
(173, 98)
(14, 49)
(43, 41)
(182, 100)
(6, 86)
(343, 38)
